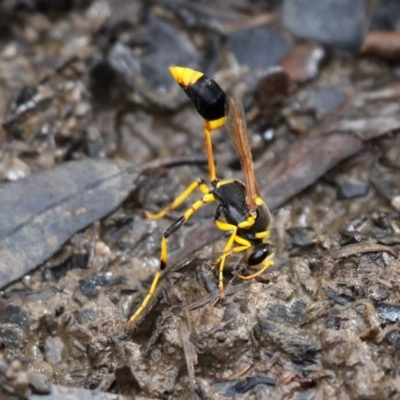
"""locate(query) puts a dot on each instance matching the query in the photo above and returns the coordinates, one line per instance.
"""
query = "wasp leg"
(199, 183)
(224, 226)
(245, 245)
(207, 198)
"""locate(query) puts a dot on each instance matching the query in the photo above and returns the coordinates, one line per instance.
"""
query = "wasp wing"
(236, 126)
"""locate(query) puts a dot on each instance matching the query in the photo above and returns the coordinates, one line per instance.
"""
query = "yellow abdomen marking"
(185, 76)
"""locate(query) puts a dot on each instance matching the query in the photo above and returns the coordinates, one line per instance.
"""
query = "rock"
(336, 23)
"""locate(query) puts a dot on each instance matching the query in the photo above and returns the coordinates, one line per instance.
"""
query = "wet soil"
(94, 131)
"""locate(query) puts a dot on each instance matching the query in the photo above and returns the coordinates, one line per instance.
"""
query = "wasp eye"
(260, 253)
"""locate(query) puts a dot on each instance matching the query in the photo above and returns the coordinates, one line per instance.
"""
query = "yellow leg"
(207, 198)
(244, 245)
(265, 264)
(224, 226)
(199, 183)
(147, 298)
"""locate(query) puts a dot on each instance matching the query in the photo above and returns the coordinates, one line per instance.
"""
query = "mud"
(88, 82)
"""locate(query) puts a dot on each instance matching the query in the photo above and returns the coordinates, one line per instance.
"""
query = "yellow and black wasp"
(241, 211)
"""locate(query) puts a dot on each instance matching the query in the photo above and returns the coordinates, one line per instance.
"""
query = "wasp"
(240, 210)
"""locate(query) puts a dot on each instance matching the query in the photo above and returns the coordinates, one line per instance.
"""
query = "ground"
(95, 131)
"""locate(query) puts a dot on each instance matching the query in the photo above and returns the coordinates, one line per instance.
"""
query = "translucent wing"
(236, 126)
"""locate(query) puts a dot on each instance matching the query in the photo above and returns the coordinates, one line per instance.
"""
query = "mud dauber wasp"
(241, 211)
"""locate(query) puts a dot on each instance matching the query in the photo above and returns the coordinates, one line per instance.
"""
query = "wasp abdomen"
(260, 253)
(208, 98)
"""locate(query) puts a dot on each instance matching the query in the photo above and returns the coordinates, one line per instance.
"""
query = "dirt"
(87, 84)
